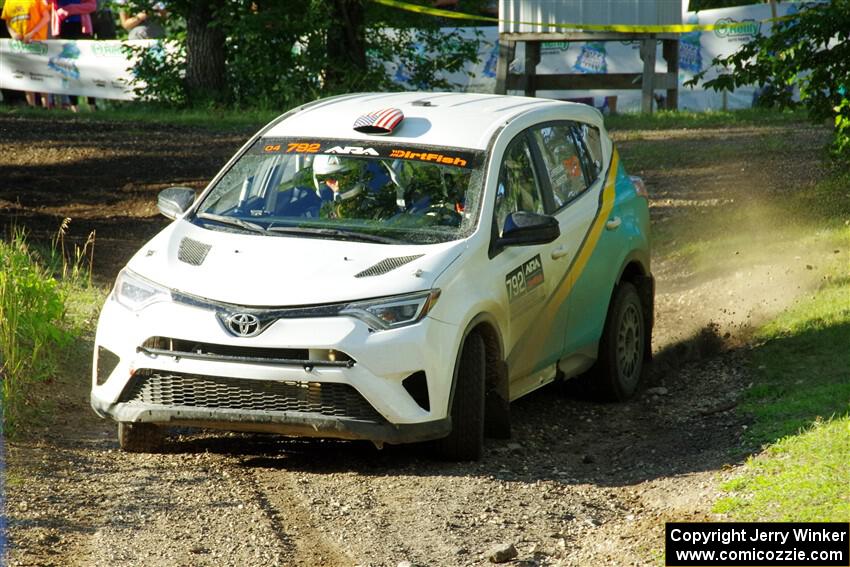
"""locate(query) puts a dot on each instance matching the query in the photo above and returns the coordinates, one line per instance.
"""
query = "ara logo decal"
(352, 150)
(524, 279)
(525, 287)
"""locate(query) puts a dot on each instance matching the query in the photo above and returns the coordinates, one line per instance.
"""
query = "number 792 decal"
(522, 281)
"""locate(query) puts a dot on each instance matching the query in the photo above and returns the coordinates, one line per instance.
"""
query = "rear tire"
(140, 437)
(619, 368)
(466, 441)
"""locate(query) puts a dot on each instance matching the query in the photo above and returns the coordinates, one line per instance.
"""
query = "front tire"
(466, 441)
(619, 368)
(140, 437)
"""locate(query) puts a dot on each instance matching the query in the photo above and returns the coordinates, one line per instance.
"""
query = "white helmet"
(324, 164)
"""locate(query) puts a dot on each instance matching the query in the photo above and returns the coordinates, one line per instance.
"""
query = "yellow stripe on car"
(525, 354)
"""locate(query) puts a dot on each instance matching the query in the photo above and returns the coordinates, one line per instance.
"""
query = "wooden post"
(532, 58)
(648, 54)
(506, 55)
(670, 50)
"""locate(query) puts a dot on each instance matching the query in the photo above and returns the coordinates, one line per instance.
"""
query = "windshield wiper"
(247, 225)
(333, 233)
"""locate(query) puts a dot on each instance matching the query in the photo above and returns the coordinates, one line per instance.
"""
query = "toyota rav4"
(390, 267)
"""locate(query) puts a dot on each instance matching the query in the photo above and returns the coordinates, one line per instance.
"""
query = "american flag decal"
(379, 122)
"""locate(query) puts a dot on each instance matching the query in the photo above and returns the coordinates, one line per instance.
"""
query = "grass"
(667, 120)
(802, 363)
(213, 119)
(242, 119)
(801, 478)
(800, 409)
(36, 286)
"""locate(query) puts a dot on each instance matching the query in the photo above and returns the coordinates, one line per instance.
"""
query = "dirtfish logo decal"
(64, 62)
(735, 30)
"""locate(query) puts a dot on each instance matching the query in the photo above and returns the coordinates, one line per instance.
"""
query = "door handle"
(614, 223)
(560, 252)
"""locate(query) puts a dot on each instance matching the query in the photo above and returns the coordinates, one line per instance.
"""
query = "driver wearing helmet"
(337, 180)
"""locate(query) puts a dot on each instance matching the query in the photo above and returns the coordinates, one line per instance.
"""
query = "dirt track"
(578, 484)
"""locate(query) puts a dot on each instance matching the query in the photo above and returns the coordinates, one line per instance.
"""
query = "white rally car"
(392, 267)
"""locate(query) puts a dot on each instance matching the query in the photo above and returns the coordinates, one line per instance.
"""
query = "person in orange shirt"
(27, 21)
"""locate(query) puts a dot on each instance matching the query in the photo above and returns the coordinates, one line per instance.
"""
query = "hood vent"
(192, 252)
(387, 265)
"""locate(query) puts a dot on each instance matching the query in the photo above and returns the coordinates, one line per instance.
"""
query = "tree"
(206, 73)
(346, 43)
(810, 53)
(267, 53)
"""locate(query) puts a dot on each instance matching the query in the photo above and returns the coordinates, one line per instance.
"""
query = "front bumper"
(283, 423)
(366, 399)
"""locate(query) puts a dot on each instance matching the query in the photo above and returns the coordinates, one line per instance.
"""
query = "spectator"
(103, 22)
(26, 21)
(144, 25)
(71, 19)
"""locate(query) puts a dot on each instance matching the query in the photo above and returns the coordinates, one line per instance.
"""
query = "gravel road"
(578, 483)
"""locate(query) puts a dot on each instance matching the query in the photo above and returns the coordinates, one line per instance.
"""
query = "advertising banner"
(96, 68)
(697, 49)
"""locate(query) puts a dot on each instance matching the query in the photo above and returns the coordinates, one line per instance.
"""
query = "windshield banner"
(366, 148)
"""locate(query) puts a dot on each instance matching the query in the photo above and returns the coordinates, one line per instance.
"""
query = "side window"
(519, 188)
(593, 149)
(563, 162)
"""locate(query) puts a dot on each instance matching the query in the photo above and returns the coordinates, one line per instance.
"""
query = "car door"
(574, 201)
(593, 276)
(531, 273)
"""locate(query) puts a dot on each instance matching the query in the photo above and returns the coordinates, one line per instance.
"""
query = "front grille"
(192, 252)
(181, 346)
(386, 265)
(191, 390)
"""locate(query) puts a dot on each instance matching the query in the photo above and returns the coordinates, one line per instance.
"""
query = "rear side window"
(519, 188)
(563, 161)
(590, 138)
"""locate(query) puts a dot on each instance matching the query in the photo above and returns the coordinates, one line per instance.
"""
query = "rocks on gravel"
(502, 553)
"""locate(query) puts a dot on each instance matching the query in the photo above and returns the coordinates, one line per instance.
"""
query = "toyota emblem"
(243, 324)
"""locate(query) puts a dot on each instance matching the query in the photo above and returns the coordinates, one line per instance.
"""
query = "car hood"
(257, 270)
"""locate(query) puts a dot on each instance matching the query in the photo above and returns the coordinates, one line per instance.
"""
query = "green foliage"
(802, 478)
(32, 306)
(809, 52)
(158, 72)
(278, 56)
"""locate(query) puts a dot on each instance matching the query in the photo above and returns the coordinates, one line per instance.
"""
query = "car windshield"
(389, 193)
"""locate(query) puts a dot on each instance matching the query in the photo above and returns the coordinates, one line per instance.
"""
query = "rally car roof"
(464, 120)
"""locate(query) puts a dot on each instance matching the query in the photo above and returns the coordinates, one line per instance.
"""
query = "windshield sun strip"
(438, 155)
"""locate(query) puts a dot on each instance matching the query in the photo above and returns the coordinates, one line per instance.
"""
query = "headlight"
(393, 312)
(134, 292)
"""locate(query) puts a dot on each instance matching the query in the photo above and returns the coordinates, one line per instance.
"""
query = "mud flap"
(497, 406)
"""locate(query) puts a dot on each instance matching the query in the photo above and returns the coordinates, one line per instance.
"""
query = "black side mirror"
(175, 201)
(523, 228)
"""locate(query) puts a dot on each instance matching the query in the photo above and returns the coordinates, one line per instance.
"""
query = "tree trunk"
(206, 77)
(346, 44)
